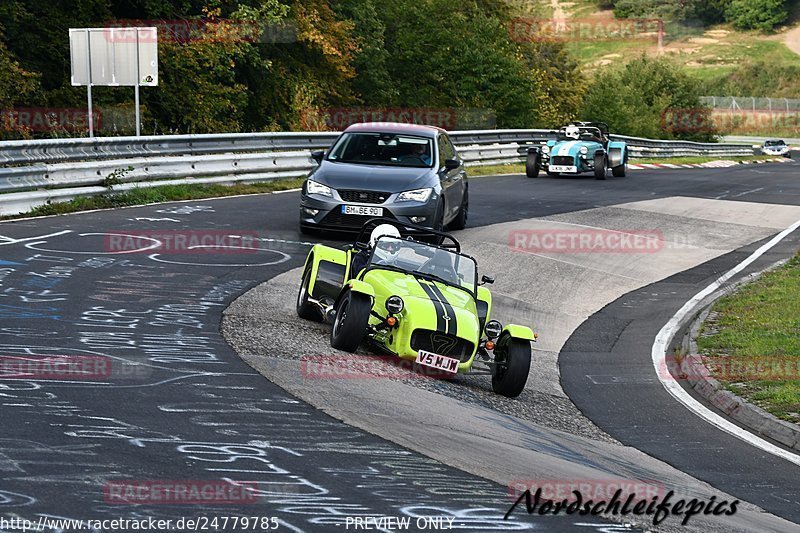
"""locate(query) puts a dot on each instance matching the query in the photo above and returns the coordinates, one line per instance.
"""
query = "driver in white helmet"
(573, 132)
(386, 254)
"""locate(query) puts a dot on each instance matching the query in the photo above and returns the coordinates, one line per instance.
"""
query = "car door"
(452, 180)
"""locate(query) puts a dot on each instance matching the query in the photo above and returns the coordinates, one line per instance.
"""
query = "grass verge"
(758, 329)
(150, 195)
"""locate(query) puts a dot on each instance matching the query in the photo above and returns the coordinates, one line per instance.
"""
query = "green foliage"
(636, 98)
(758, 78)
(761, 15)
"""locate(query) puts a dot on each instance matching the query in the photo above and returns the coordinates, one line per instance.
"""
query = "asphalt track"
(180, 405)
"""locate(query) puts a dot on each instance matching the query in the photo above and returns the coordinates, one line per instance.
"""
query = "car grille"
(364, 197)
(566, 160)
(337, 218)
(441, 344)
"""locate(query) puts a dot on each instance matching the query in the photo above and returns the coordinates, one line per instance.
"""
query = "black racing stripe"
(452, 324)
(441, 323)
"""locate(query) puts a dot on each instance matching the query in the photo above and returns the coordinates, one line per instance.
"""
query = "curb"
(722, 163)
(694, 370)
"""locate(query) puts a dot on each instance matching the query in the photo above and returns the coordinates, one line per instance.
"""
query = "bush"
(642, 97)
(761, 15)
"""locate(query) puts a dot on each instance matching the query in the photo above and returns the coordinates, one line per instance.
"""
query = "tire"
(306, 309)
(352, 317)
(620, 171)
(509, 379)
(460, 222)
(532, 165)
(438, 223)
(599, 166)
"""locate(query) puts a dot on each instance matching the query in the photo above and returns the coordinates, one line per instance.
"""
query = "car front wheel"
(513, 358)
(599, 166)
(352, 317)
(460, 222)
(306, 309)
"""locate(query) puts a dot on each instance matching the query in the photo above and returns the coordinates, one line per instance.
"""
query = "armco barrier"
(41, 171)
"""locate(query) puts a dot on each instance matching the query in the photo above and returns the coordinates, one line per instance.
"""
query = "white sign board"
(118, 56)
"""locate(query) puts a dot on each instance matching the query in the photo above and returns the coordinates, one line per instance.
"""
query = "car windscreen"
(383, 149)
(415, 257)
(774, 143)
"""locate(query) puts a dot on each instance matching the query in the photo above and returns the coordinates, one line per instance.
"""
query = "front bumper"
(323, 212)
(567, 164)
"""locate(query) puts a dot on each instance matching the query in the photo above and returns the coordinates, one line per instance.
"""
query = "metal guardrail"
(41, 171)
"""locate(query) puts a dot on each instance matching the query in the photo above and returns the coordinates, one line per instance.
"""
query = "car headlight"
(493, 329)
(394, 304)
(314, 187)
(545, 149)
(584, 150)
(417, 195)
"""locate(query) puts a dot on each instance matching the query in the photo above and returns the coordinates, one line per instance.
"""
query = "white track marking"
(9, 240)
(284, 258)
(156, 244)
(673, 387)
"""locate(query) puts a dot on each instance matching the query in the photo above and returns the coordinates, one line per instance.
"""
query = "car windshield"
(586, 134)
(386, 149)
(416, 257)
(774, 143)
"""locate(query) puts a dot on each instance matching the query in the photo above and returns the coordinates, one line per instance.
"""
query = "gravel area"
(263, 324)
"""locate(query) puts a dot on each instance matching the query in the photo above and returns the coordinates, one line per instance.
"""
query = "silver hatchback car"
(407, 172)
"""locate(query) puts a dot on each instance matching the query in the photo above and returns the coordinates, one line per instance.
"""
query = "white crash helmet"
(382, 230)
(573, 132)
(388, 253)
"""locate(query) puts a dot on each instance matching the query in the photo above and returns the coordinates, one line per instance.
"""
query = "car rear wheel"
(599, 166)
(352, 317)
(460, 222)
(532, 165)
(620, 171)
(305, 309)
(513, 357)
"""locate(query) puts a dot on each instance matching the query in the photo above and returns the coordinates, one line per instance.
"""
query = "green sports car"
(419, 301)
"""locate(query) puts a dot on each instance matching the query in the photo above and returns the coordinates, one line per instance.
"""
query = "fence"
(43, 171)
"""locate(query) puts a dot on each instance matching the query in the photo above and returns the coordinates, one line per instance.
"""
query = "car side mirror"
(486, 279)
(317, 156)
(452, 164)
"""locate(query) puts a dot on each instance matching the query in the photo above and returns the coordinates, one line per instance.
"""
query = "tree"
(761, 15)
(649, 98)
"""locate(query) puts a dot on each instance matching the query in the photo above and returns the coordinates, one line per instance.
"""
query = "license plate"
(563, 168)
(362, 210)
(448, 364)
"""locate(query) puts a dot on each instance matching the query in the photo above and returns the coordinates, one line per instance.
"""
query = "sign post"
(114, 57)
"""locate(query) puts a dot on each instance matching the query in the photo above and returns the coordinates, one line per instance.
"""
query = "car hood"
(572, 148)
(371, 177)
(427, 303)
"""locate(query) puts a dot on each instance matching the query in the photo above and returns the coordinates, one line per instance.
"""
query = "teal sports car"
(579, 147)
